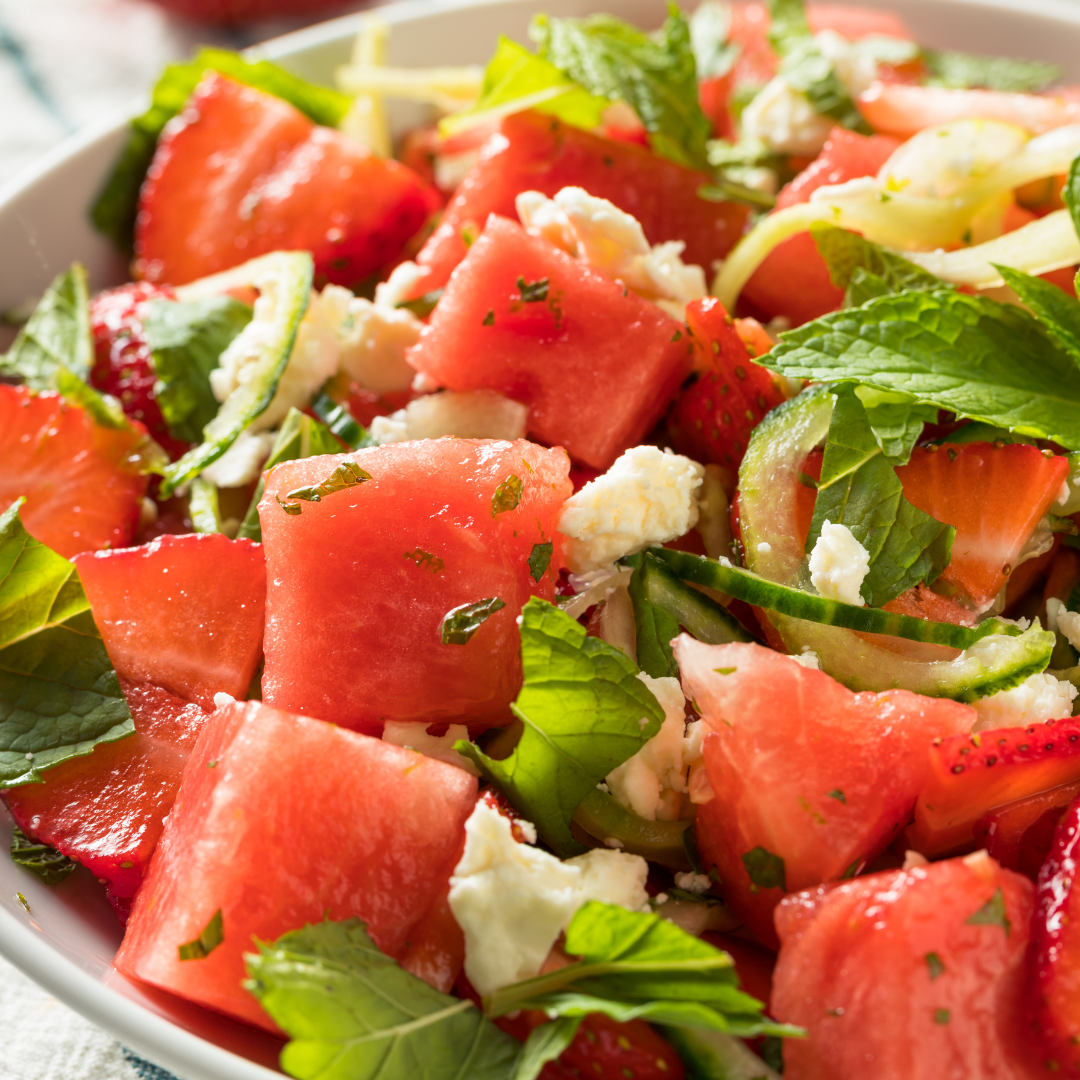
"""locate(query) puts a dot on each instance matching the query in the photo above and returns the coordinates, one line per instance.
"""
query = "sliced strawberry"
(712, 419)
(82, 482)
(123, 365)
(240, 173)
(1021, 834)
(971, 775)
(1055, 950)
(995, 495)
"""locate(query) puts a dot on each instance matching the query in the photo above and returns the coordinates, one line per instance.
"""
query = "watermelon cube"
(280, 821)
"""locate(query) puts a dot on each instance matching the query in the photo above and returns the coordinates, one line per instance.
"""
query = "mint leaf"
(960, 70)
(715, 53)
(353, 1014)
(545, 1043)
(1058, 312)
(59, 694)
(655, 74)
(540, 559)
(300, 436)
(766, 870)
(507, 495)
(860, 489)
(949, 350)
(40, 859)
(460, 623)
(186, 338)
(212, 935)
(992, 913)
(584, 710)
(896, 421)
(114, 210)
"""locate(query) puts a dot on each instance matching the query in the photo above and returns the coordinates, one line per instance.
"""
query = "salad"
(594, 594)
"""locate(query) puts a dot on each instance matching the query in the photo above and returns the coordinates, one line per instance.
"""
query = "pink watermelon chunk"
(359, 583)
(280, 821)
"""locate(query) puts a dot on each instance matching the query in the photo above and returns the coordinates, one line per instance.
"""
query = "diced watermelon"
(531, 152)
(105, 810)
(436, 949)
(919, 972)
(596, 364)
(359, 583)
(183, 612)
(82, 482)
(811, 781)
(280, 821)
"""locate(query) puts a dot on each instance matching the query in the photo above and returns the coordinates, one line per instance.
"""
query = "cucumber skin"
(712, 1055)
(767, 489)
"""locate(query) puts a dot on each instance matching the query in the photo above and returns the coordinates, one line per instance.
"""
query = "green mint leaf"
(584, 711)
(353, 1014)
(212, 935)
(766, 870)
(837, 794)
(1058, 312)
(301, 436)
(507, 495)
(859, 488)
(40, 859)
(960, 70)
(540, 560)
(934, 965)
(114, 210)
(942, 1016)
(460, 623)
(533, 292)
(186, 338)
(655, 74)
(715, 53)
(948, 350)
(56, 335)
(896, 421)
(545, 1043)
(59, 694)
(346, 475)
(992, 913)
(295, 271)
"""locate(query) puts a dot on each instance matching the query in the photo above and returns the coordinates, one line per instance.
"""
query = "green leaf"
(655, 74)
(896, 421)
(1058, 312)
(40, 859)
(353, 1014)
(859, 488)
(992, 913)
(59, 694)
(533, 292)
(766, 870)
(460, 623)
(295, 271)
(186, 339)
(934, 965)
(56, 335)
(114, 210)
(545, 1043)
(582, 707)
(948, 350)
(212, 935)
(507, 495)
(959, 70)
(344, 476)
(540, 560)
(715, 53)
(300, 436)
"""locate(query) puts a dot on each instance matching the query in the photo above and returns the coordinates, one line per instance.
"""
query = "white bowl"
(67, 939)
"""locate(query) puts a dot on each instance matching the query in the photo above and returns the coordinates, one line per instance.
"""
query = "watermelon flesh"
(596, 365)
(359, 583)
(283, 820)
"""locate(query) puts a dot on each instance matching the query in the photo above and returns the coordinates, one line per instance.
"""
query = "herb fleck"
(507, 495)
(992, 913)
(348, 474)
(211, 937)
(539, 560)
(460, 623)
(942, 1016)
(934, 965)
(725, 670)
(40, 859)
(533, 292)
(489, 318)
(425, 559)
(836, 793)
(766, 870)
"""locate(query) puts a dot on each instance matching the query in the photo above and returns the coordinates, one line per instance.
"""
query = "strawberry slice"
(82, 482)
(971, 775)
(240, 173)
(995, 496)
(1055, 950)
(1020, 835)
(712, 419)
(123, 365)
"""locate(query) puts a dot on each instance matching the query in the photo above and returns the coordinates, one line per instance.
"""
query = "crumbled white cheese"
(784, 119)
(221, 699)
(400, 286)
(695, 883)
(1038, 698)
(839, 564)
(613, 243)
(242, 462)
(512, 901)
(476, 414)
(651, 783)
(1064, 493)
(414, 736)
(1058, 617)
(808, 658)
(647, 497)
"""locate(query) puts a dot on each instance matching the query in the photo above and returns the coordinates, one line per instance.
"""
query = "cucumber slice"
(294, 272)
(661, 842)
(341, 422)
(712, 1055)
(768, 486)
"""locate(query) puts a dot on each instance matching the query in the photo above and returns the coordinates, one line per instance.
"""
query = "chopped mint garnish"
(766, 870)
(40, 859)
(460, 623)
(213, 934)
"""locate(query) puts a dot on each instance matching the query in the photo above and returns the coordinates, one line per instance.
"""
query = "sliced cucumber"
(203, 506)
(659, 841)
(712, 1055)
(768, 486)
(341, 422)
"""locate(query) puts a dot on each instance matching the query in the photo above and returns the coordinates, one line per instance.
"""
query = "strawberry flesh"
(1020, 835)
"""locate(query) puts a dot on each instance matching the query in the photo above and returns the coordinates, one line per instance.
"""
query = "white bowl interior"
(69, 935)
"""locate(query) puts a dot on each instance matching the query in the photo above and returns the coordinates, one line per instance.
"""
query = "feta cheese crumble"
(784, 119)
(1038, 698)
(476, 414)
(414, 736)
(695, 883)
(839, 564)
(221, 699)
(1058, 617)
(648, 496)
(512, 901)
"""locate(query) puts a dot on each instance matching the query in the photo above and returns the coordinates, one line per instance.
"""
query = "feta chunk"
(372, 340)
(784, 120)
(839, 564)
(647, 497)
(1038, 698)
(400, 286)
(808, 659)
(242, 462)
(477, 414)
(414, 736)
(613, 243)
(1058, 617)
(512, 901)
(695, 883)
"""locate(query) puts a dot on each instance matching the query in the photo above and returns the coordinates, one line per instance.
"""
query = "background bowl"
(65, 936)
